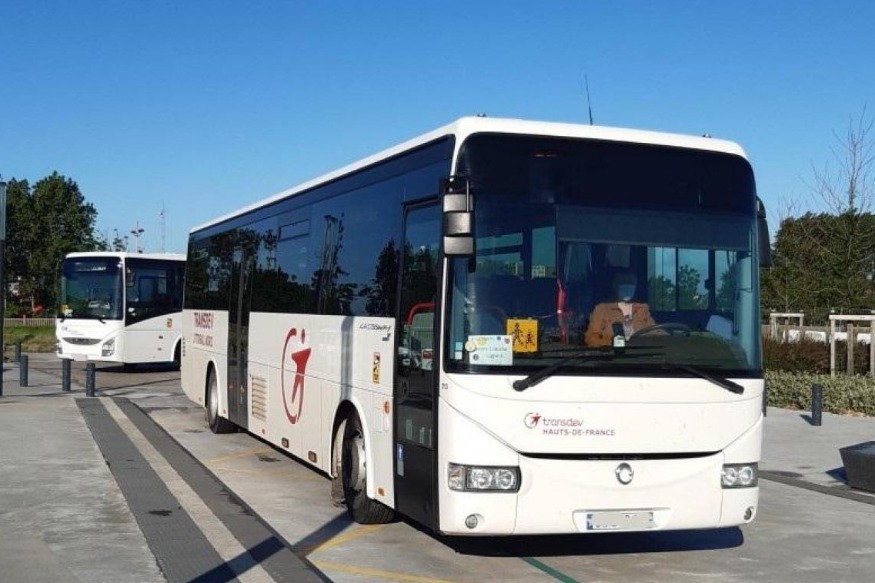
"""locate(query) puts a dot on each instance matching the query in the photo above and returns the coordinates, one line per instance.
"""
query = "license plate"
(619, 520)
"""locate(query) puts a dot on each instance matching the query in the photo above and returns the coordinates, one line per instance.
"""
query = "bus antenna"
(588, 105)
(163, 217)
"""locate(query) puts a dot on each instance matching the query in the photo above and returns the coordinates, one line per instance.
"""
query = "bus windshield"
(91, 288)
(627, 257)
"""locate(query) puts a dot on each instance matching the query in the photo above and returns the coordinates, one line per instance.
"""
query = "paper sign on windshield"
(494, 350)
(524, 334)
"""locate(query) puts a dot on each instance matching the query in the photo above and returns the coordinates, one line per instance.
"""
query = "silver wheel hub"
(213, 405)
(357, 470)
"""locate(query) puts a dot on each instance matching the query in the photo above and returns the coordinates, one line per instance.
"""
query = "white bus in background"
(412, 325)
(121, 307)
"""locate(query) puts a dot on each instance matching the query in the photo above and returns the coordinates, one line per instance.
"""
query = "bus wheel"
(337, 494)
(176, 363)
(353, 472)
(217, 424)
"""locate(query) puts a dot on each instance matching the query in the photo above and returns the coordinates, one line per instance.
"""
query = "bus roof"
(125, 254)
(466, 126)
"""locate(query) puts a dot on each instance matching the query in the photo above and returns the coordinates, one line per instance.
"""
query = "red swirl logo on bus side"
(298, 350)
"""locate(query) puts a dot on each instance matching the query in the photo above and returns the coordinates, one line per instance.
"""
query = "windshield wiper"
(601, 355)
(548, 371)
(727, 384)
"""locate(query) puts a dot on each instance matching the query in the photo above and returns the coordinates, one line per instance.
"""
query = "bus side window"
(147, 287)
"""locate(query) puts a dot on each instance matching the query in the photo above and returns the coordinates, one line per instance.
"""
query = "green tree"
(46, 222)
(662, 293)
(827, 260)
(822, 261)
(381, 293)
(690, 296)
(726, 291)
(19, 239)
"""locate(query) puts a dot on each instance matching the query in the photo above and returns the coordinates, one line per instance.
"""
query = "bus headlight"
(739, 475)
(108, 348)
(483, 479)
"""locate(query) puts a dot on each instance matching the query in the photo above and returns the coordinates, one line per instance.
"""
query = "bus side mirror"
(458, 217)
(764, 241)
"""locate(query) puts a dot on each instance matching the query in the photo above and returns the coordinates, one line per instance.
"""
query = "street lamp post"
(2, 277)
(137, 232)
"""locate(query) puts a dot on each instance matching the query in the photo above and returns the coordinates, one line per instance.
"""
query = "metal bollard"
(65, 375)
(816, 404)
(22, 370)
(765, 399)
(89, 379)
(18, 351)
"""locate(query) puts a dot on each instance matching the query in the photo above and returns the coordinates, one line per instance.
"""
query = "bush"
(841, 394)
(803, 356)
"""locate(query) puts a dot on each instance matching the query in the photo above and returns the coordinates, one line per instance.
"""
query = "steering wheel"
(673, 329)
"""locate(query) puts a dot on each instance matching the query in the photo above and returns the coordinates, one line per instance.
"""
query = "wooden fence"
(35, 322)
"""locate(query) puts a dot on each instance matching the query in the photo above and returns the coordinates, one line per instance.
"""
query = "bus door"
(238, 335)
(415, 394)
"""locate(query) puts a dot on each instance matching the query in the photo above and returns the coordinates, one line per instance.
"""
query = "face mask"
(626, 291)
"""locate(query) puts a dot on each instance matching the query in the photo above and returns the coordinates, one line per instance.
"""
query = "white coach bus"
(121, 307)
(415, 325)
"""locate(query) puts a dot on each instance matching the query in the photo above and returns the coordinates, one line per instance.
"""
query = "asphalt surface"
(130, 486)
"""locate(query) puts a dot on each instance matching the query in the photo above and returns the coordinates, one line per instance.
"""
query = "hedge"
(793, 367)
(842, 394)
(812, 356)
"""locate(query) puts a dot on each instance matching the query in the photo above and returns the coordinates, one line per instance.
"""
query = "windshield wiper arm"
(548, 371)
(727, 384)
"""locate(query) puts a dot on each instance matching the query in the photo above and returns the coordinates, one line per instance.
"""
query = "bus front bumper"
(565, 497)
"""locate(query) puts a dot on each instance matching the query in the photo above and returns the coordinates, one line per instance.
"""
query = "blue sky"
(204, 106)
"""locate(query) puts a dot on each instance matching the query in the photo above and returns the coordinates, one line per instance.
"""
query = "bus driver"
(632, 316)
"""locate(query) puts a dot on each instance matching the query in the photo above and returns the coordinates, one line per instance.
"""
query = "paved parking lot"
(810, 527)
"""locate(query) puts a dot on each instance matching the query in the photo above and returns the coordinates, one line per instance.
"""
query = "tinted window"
(568, 230)
(354, 240)
(332, 250)
(607, 174)
(153, 288)
(91, 288)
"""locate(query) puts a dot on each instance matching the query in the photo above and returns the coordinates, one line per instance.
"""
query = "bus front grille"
(82, 341)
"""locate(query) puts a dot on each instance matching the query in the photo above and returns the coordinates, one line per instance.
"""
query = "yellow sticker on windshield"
(524, 334)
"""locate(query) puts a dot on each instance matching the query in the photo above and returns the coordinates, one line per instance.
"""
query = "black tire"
(176, 363)
(353, 476)
(217, 423)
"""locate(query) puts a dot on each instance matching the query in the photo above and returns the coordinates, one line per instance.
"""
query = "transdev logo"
(298, 350)
(531, 420)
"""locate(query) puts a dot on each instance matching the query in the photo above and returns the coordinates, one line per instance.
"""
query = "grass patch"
(32, 338)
